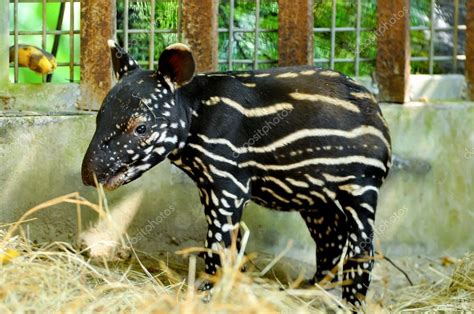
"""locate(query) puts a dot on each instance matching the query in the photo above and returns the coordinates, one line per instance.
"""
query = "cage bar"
(455, 36)
(333, 33)
(4, 45)
(126, 7)
(432, 36)
(180, 19)
(295, 32)
(470, 48)
(199, 27)
(43, 30)
(15, 40)
(71, 41)
(393, 56)
(97, 26)
(230, 46)
(151, 55)
(257, 33)
(357, 48)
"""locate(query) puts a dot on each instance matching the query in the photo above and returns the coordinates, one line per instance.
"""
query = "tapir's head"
(140, 121)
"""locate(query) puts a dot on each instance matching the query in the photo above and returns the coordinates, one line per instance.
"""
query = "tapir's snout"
(87, 172)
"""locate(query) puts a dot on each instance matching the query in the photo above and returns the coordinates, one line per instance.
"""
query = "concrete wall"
(427, 204)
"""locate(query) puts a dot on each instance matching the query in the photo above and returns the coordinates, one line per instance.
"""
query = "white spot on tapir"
(228, 227)
(225, 212)
(102, 241)
(160, 150)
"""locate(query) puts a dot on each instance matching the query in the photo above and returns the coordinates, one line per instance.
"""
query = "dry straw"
(57, 278)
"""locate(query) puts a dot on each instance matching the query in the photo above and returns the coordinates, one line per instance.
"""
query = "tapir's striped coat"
(299, 138)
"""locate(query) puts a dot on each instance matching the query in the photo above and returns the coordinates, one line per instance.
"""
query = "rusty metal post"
(199, 27)
(4, 45)
(470, 49)
(295, 32)
(393, 55)
(97, 26)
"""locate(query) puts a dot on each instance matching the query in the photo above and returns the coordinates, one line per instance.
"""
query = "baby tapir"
(297, 138)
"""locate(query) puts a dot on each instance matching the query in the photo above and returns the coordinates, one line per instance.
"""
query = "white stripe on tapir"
(264, 189)
(279, 183)
(253, 112)
(300, 184)
(225, 174)
(356, 217)
(319, 161)
(331, 178)
(298, 135)
(326, 99)
(212, 155)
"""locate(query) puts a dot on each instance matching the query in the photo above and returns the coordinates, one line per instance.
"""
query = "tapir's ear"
(121, 60)
(177, 63)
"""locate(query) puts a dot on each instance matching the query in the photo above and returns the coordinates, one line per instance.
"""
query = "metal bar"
(249, 61)
(71, 41)
(456, 36)
(57, 38)
(439, 28)
(358, 26)
(126, 7)
(49, 1)
(147, 31)
(15, 39)
(60, 64)
(43, 35)
(438, 58)
(469, 64)
(4, 45)
(257, 33)
(151, 57)
(55, 32)
(179, 24)
(432, 35)
(333, 34)
(231, 35)
(247, 30)
(342, 29)
(344, 60)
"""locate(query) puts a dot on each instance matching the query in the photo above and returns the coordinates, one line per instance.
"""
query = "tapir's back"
(288, 115)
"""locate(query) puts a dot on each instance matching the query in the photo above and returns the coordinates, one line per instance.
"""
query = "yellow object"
(7, 256)
(35, 58)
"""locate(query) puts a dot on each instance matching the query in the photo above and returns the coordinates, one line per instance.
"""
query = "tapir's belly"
(287, 193)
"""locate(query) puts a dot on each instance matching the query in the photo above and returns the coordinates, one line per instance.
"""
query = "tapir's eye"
(141, 129)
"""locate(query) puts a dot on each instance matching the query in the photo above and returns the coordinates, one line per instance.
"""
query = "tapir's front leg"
(223, 211)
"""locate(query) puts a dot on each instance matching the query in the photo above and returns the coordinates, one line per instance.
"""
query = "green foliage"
(243, 45)
(166, 18)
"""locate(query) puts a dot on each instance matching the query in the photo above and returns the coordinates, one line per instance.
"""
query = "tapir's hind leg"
(360, 211)
(328, 229)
